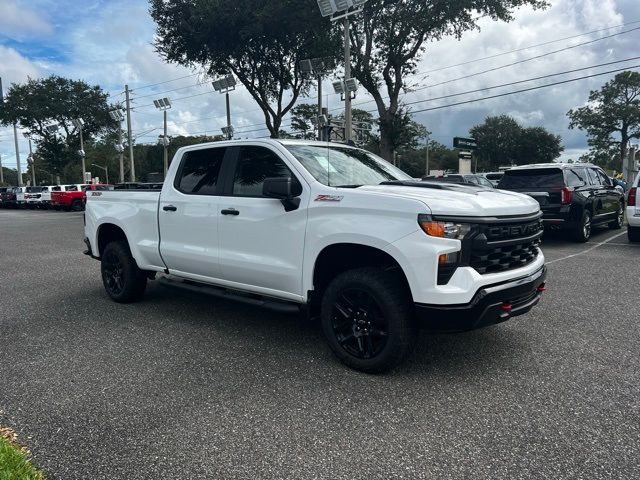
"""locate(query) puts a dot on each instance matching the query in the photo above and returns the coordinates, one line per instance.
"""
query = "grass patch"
(15, 463)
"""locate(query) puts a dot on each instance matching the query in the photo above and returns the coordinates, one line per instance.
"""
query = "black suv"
(7, 197)
(467, 179)
(573, 197)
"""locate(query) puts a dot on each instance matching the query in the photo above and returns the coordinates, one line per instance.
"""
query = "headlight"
(435, 228)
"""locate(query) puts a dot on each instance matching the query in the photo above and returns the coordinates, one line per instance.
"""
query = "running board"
(227, 294)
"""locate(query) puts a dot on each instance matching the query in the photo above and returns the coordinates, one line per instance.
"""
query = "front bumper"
(490, 305)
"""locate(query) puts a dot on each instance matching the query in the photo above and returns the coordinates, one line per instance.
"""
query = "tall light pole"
(19, 168)
(225, 85)
(343, 9)
(30, 160)
(317, 67)
(118, 116)
(79, 123)
(164, 104)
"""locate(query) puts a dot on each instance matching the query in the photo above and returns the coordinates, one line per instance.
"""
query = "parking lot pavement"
(184, 386)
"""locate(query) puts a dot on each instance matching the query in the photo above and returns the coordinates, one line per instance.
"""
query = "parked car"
(45, 197)
(328, 229)
(493, 177)
(633, 211)
(573, 197)
(73, 197)
(21, 196)
(33, 197)
(7, 197)
(467, 179)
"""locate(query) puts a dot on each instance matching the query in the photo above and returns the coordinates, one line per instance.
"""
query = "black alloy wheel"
(358, 323)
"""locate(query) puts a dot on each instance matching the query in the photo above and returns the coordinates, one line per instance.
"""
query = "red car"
(74, 197)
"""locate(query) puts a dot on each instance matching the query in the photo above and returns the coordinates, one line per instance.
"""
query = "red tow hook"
(506, 307)
(541, 288)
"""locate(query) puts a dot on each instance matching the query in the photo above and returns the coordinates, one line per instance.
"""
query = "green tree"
(57, 101)
(503, 141)
(390, 37)
(413, 162)
(611, 117)
(259, 41)
(301, 120)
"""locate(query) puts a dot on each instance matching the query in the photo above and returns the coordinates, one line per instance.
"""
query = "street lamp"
(105, 168)
(164, 104)
(316, 67)
(79, 123)
(118, 116)
(225, 85)
(343, 9)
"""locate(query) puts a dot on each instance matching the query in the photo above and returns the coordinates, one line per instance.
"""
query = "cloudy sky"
(109, 42)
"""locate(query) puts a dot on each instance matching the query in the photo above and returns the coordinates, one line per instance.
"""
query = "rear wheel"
(619, 221)
(367, 318)
(582, 233)
(634, 234)
(121, 277)
(77, 205)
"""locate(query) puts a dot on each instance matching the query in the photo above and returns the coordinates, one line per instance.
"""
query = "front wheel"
(619, 221)
(582, 233)
(634, 234)
(368, 320)
(121, 277)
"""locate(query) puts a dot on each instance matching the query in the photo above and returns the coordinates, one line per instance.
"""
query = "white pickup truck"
(328, 228)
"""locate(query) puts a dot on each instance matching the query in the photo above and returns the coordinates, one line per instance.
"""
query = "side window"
(576, 178)
(593, 178)
(604, 180)
(254, 165)
(199, 171)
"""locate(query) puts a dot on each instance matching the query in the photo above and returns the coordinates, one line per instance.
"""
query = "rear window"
(534, 178)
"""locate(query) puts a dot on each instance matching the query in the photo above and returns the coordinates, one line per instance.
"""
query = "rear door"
(261, 245)
(188, 215)
(600, 203)
(611, 195)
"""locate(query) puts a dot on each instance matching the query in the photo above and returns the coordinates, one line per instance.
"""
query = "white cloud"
(18, 21)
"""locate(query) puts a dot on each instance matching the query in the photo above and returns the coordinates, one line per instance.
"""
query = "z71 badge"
(328, 198)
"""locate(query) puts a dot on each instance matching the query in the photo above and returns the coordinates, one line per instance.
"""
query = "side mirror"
(284, 189)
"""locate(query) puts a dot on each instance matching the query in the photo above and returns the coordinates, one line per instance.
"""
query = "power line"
(520, 81)
(493, 69)
(520, 91)
(166, 81)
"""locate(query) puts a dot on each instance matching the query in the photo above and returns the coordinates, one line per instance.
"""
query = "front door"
(188, 215)
(261, 245)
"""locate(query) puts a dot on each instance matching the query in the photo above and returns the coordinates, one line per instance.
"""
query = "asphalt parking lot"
(186, 386)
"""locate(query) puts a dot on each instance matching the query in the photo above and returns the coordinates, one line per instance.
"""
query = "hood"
(463, 200)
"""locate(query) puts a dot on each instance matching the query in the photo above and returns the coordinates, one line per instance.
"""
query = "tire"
(368, 319)
(121, 277)
(77, 206)
(619, 221)
(634, 234)
(582, 233)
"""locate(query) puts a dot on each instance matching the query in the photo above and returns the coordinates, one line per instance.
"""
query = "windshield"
(533, 178)
(338, 166)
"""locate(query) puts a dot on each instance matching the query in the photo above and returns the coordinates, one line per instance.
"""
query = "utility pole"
(1, 172)
(164, 139)
(84, 167)
(33, 168)
(121, 152)
(15, 138)
(133, 167)
(229, 135)
(347, 75)
(426, 161)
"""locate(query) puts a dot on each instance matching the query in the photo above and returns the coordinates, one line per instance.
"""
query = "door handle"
(230, 211)
(169, 208)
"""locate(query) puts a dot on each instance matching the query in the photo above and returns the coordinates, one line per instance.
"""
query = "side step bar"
(227, 294)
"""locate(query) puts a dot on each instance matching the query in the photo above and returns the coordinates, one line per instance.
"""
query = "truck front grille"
(505, 246)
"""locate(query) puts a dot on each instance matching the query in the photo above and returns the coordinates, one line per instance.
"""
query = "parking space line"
(588, 249)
